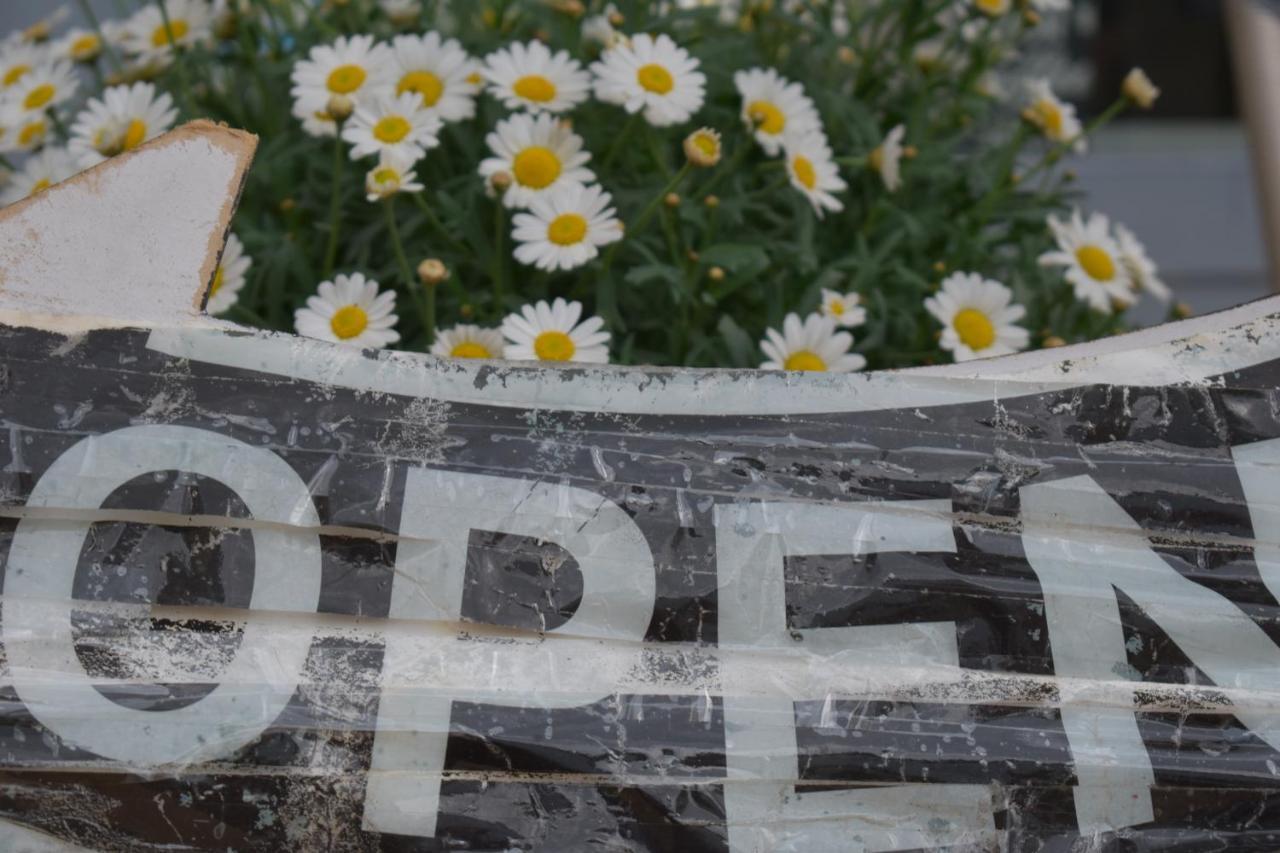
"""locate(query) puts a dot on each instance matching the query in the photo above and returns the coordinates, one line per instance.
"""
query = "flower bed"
(791, 185)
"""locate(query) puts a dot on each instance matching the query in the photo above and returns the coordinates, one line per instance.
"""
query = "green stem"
(335, 205)
(1055, 153)
(426, 308)
(6, 163)
(633, 231)
(179, 66)
(434, 222)
(628, 132)
(499, 257)
(107, 47)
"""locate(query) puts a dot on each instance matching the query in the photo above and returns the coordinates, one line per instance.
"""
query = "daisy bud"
(910, 152)
(1182, 311)
(993, 8)
(340, 108)
(287, 205)
(939, 267)
(716, 274)
(1139, 89)
(692, 256)
(466, 310)
(500, 182)
(1053, 342)
(616, 18)
(712, 201)
(572, 8)
(702, 147)
(671, 200)
(432, 272)
(1031, 17)
(846, 55)
(38, 32)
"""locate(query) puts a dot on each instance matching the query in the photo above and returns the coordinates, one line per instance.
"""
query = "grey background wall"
(1186, 187)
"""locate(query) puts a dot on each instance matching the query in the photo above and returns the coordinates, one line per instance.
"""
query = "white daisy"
(887, 159)
(529, 77)
(464, 341)
(393, 174)
(121, 120)
(1055, 118)
(17, 59)
(230, 276)
(1143, 270)
(599, 29)
(149, 38)
(565, 228)
(41, 171)
(545, 332)
(977, 319)
(1093, 260)
(349, 310)
(1051, 5)
(539, 153)
(651, 74)
(439, 71)
(402, 13)
(811, 345)
(392, 124)
(812, 170)
(44, 87)
(773, 106)
(24, 131)
(844, 308)
(352, 66)
(78, 45)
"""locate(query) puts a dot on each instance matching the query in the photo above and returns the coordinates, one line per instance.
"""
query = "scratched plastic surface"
(250, 612)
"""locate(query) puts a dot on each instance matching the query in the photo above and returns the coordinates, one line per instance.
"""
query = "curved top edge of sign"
(134, 242)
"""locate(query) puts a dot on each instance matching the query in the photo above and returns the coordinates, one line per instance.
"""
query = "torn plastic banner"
(263, 593)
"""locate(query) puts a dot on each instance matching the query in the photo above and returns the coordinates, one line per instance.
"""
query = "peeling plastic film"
(244, 609)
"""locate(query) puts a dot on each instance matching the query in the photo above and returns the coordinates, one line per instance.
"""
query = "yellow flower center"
(992, 7)
(85, 47)
(219, 276)
(536, 167)
(475, 78)
(1096, 262)
(40, 186)
(974, 328)
(424, 83)
(470, 349)
(39, 96)
(535, 87)
(345, 79)
(876, 159)
(805, 173)
(14, 74)
(166, 35)
(707, 144)
(767, 117)
(567, 229)
(134, 135)
(554, 346)
(385, 175)
(391, 129)
(654, 78)
(805, 360)
(349, 321)
(1049, 116)
(33, 132)
(836, 307)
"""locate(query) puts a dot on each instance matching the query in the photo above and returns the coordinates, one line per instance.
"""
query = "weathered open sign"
(265, 593)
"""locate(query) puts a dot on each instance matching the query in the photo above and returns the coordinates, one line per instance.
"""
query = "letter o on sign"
(35, 617)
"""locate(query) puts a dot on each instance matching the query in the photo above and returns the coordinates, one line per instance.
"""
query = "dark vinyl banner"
(262, 593)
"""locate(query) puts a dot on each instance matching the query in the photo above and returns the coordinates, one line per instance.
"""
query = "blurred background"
(1180, 176)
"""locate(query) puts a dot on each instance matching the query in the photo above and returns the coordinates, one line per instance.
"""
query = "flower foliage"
(689, 177)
